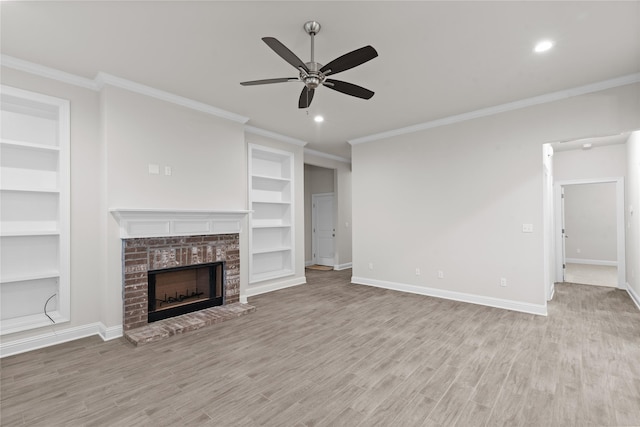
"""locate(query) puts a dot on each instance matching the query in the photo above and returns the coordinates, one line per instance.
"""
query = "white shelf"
(267, 178)
(34, 210)
(29, 277)
(272, 202)
(268, 224)
(28, 145)
(25, 233)
(30, 190)
(271, 228)
(260, 277)
(272, 249)
(17, 324)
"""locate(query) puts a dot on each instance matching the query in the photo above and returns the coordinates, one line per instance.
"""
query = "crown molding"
(326, 156)
(103, 79)
(273, 135)
(502, 108)
(50, 73)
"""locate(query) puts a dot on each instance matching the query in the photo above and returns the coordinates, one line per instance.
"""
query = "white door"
(323, 232)
(563, 236)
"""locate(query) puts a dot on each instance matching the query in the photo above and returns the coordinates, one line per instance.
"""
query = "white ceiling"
(436, 59)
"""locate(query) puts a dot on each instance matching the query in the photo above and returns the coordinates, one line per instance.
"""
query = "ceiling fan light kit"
(314, 74)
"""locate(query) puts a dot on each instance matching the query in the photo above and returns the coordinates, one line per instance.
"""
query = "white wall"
(632, 216)
(608, 161)
(454, 198)
(342, 205)
(316, 180)
(590, 222)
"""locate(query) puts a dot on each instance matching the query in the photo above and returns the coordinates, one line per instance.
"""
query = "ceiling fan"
(314, 74)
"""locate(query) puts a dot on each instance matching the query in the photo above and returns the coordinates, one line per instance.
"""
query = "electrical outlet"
(503, 282)
(370, 266)
(440, 274)
(417, 271)
(167, 170)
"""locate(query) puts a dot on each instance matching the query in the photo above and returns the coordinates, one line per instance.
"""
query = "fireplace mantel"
(135, 223)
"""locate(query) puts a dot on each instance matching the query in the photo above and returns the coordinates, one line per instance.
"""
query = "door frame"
(314, 239)
(559, 221)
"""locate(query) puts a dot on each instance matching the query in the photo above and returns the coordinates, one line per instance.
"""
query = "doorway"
(590, 229)
(323, 230)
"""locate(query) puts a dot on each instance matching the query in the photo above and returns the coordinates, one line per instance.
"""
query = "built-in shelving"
(34, 210)
(271, 228)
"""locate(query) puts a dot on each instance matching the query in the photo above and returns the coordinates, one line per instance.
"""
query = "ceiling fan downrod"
(313, 78)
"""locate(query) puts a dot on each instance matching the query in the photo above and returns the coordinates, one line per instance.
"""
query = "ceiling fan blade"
(349, 60)
(285, 53)
(305, 97)
(348, 88)
(268, 81)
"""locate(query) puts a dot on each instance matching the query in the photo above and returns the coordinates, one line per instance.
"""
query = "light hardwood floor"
(334, 354)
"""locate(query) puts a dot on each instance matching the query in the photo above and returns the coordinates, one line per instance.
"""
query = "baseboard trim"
(591, 262)
(308, 263)
(110, 333)
(263, 289)
(344, 266)
(523, 307)
(634, 296)
(54, 337)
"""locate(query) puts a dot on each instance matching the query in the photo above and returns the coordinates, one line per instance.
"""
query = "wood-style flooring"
(335, 354)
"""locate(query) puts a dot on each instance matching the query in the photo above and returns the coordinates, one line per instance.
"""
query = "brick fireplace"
(156, 253)
(161, 241)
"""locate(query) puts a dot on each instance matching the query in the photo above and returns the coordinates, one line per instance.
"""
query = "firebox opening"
(181, 290)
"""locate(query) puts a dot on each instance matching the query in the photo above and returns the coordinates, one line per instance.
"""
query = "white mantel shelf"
(135, 223)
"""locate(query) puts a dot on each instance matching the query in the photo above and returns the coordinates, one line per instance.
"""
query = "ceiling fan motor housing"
(314, 77)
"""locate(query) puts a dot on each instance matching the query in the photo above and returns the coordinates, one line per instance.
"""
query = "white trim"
(136, 223)
(102, 79)
(326, 156)
(263, 289)
(108, 79)
(273, 135)
(634, 296)
(591, 262)
(524, 307)
(55, 337)
(344, 266)
(109, 333)
(552, 291)
(502, 108)
(47, 72)
(308, 263)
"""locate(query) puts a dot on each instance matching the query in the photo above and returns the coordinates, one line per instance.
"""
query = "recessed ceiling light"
(543, 46)
(318, 119)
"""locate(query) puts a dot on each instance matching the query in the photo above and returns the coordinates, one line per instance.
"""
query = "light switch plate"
(527, 228)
